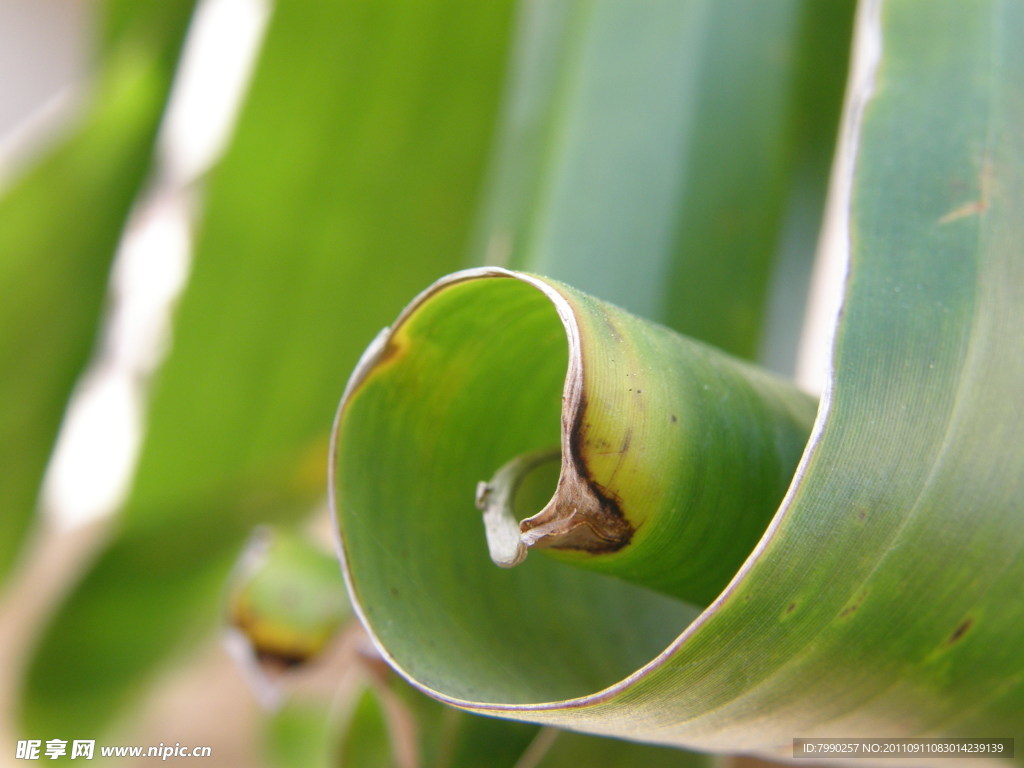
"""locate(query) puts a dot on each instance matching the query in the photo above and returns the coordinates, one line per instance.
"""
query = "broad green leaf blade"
(349, 184)
(61, 224)
(665, 155)
(301, 735)
(883, 599)
(367, 741)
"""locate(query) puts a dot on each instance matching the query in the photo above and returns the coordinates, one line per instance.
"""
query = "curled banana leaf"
(871, 591)
(672, 459)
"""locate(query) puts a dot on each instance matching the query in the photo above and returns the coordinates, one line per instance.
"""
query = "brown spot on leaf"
(391, 351)
(974, 207)
(965, 210)
(960, 631)
(854, 603)
(610, 325)
(791, 608)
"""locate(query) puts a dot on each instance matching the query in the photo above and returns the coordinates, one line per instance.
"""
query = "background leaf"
(367, 740)
(300, 736)
(669, 157)
(62, 223)
(350, 182)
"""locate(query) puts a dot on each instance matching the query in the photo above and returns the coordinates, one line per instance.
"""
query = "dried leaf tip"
(578, 517)
(496, 499)
(500, 526)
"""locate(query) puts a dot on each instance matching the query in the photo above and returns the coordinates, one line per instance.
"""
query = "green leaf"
(883, 599)
(301, 735)
(570, 750)
(666, 155)
(392, 725)
(367, 740)
(350, 182)
(449, 738)
(62, 222)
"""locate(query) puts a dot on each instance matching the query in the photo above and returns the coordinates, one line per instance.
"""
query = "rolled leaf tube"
(674, 457)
